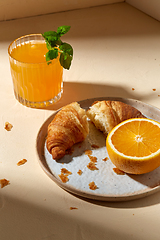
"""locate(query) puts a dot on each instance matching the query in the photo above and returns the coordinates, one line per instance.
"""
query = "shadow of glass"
(75, 91)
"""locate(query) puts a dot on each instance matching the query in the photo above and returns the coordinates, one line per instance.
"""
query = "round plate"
(111, 186)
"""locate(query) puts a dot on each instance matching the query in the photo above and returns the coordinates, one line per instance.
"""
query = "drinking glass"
(36, 83)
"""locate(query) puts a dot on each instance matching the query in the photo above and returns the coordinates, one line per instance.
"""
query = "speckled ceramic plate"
(110, 185)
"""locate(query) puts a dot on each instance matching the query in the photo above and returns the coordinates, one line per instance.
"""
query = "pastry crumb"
(105, 159)
(154, 89)
(64, 175)
(21, 162)
(94, 146)
(92, 159)
(79, 172)
(65, 171)
(133, 89)
(8, 126)
(92, 186)
(73, 208)
(63, 178)
(88, 152)
(92, 166)
(4, 182)
(118, 171)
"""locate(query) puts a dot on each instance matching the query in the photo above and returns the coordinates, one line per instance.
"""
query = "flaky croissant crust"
(68, 127)
(107, 114)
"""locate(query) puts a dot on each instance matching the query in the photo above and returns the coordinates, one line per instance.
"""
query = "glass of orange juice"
(36, 83)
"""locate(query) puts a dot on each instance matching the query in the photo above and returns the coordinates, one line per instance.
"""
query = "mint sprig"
(55, 46)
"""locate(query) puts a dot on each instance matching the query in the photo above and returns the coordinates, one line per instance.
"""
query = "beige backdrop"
(11, 9)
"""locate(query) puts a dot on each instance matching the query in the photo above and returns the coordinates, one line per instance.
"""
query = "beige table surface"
(116, 49)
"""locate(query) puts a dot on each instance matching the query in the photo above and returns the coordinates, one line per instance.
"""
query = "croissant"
(107, 114)
(68, 127)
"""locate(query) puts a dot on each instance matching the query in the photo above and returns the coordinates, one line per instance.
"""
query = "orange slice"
(134, 145)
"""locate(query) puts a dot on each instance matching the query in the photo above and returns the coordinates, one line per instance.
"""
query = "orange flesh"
(133, 139)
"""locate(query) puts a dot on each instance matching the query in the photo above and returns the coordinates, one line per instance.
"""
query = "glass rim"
(22, 37)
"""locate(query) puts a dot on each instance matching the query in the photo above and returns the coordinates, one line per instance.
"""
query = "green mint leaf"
(66, 48)
(65, 60)
(48, 46)
(49, 33)
(55, 45)
(51, 38)
(51, 54)
(62, 30)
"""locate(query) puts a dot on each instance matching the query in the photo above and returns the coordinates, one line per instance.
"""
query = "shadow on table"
(74, 91)
(145, 201)
(28, 220)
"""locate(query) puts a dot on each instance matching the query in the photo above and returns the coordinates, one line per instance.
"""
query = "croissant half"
(68, 127)
(107, 114)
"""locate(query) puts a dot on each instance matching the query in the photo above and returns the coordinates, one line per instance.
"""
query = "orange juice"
(34, 80)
